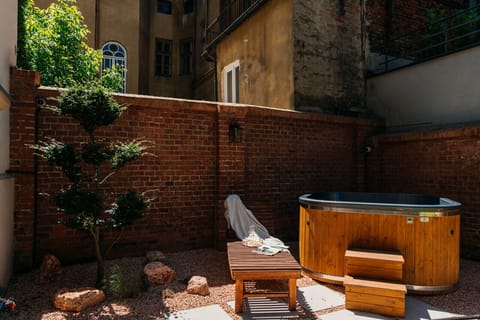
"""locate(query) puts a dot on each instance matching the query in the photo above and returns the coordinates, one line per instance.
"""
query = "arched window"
(115, 54)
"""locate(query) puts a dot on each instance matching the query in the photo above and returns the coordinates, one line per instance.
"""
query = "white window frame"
(116, 58)
(231, 93)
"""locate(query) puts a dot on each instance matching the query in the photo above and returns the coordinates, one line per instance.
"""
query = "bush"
(121, 286)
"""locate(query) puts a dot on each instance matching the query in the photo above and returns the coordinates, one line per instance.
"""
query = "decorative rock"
(77, 299)
(198, 285)
(153, 256)
(49, 269)
(158, 273)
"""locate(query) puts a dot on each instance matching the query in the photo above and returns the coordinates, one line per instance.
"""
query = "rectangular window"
(164, 6)
(186, 53)
(231, 82)
(187, 6)
(163, 58)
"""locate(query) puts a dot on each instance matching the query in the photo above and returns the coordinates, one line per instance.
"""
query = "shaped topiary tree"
(83, 201)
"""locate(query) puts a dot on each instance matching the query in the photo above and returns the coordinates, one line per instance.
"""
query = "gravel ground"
(34, 301)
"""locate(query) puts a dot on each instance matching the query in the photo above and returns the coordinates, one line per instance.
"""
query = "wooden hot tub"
(424, 229)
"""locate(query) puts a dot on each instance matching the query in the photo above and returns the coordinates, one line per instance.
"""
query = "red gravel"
(34, 301)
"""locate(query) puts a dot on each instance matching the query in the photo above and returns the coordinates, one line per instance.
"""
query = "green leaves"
(91, 105)
(127, 208)
(112, 78)
(55, 44)
(61, 155)
(83, 200)
(121, 285)
(96, 153)
(125, 152)
(83, 205)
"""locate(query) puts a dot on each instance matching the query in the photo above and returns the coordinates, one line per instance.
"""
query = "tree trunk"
(100, 266)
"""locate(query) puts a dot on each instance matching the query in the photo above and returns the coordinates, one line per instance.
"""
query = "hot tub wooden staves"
(428, 240)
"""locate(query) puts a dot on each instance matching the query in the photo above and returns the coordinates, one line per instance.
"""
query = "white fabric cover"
(239, 218)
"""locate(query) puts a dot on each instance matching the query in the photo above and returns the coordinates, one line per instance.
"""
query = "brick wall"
(441, 162)
(192, 169)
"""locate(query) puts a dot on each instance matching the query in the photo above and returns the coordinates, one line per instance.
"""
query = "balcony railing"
(231, 13)
(442, 37)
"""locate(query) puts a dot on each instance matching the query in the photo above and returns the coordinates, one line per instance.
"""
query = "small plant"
(120, 285)
(83, 201)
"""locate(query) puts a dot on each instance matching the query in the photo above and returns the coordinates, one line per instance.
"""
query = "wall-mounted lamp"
(234, 132)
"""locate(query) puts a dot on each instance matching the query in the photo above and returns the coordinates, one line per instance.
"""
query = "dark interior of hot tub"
(371, 197)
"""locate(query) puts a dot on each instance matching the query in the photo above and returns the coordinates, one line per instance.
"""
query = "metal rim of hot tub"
(423, 278)
(445, 206)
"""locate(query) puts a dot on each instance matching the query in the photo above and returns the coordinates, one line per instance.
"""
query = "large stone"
(198, 285)
(49, 269)
(77, 299)
(158, 273)
(156, 255)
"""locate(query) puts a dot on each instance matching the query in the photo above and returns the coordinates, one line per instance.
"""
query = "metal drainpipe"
(97, 25)
(207, 56)
(194, 50)
(39, 102)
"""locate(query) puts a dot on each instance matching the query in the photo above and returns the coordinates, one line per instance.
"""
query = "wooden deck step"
(381, 265)
(375, 296)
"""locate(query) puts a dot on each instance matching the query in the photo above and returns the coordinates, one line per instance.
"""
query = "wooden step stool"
(375, 296)
(378, 265)
(371, 282)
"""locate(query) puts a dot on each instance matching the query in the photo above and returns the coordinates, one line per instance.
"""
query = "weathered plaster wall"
(125, 16)
(263, 45)
(8, 40)
(174, 27)
(329, 58)
(204, 78)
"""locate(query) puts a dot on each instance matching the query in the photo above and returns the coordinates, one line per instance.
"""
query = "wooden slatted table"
(247, 265)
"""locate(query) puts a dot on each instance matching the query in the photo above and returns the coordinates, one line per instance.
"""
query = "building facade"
(155, 40)
(294, 54)
(291, 54)
(8, 41)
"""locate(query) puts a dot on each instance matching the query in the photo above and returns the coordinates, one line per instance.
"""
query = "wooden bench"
(246, 265)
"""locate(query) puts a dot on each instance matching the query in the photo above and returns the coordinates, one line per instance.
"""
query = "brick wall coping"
(458, 131)
(136, 100)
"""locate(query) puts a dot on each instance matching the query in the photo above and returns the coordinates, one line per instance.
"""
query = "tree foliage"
(53, 42)
(84, 202)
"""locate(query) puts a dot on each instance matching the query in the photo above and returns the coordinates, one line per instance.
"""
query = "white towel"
(239, 218)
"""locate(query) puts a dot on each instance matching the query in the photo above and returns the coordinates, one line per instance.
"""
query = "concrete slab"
(351, 315)
(318, 297)
(265, 308)
(415, 309)
(212, 312)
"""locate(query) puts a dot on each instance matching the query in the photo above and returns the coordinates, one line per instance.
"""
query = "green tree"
(83, 201)
(22, 59)
(54, 44)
